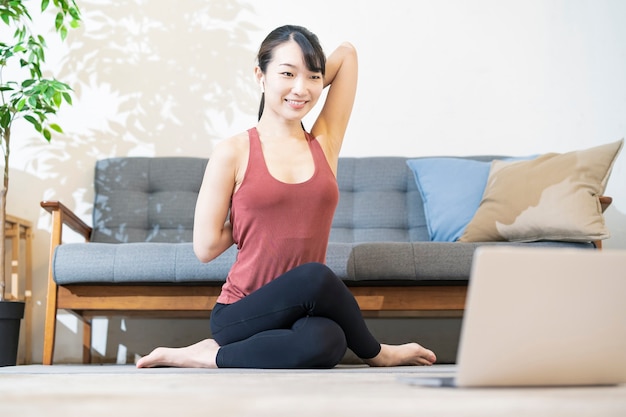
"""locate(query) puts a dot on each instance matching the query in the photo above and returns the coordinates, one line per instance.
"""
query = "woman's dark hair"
(314, 57)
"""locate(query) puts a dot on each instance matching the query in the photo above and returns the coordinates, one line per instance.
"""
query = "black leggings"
(305, 318)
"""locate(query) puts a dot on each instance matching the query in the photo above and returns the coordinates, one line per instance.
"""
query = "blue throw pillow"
(451, 189)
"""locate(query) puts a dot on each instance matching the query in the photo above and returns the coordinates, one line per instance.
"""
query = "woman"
(281, 307)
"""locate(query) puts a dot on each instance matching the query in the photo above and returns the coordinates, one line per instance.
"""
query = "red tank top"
(278, 226)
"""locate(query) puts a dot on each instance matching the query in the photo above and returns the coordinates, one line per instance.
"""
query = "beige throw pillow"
(552, 197)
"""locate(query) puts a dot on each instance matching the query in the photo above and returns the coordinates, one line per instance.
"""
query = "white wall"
(436, 78)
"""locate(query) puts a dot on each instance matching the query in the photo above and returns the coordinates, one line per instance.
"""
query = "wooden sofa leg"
(50, 325)
(86, 341)
(52, 296)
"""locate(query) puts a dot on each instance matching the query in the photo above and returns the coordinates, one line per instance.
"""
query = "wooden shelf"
(17, 230)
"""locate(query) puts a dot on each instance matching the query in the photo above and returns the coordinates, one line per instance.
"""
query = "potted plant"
(25, 95)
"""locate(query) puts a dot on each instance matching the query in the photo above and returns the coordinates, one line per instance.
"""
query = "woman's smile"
(296, 104)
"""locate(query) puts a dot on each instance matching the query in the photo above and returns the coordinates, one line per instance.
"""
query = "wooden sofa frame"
(196, 301)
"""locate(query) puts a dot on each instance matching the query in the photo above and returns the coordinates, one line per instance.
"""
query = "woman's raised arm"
(341, 80)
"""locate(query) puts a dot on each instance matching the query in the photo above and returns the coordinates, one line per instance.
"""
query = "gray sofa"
(138, 257)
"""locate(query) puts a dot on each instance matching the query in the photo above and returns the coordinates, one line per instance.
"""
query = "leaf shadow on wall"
(150, 78)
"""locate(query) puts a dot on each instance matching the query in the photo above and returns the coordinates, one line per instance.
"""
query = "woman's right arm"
(341, 80)
(212, 232)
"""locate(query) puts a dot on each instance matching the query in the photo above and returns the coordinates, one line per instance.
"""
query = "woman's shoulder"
(233, 146)
(231, 155)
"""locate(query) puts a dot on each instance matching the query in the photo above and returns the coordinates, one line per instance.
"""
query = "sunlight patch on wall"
(99, 332)
(122, 352)
(68, 320)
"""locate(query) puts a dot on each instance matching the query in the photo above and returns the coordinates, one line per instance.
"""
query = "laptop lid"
(544, 316)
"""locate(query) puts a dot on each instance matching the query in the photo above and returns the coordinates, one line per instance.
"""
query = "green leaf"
(75, 13)
(5, 118)
(57, 99)
(68, 98)
(33, 121)
(20, 33)
(58, 22)
(20, 104)
(56, 127)
(34, 97)
(49, 93)
(5, 54)
(34, 70)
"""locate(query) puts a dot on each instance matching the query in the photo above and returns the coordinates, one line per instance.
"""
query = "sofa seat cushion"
(423, 262)
(175, 263)
(150, 262)
(143, 262)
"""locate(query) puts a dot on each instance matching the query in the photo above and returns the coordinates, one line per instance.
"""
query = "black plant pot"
(11, 314)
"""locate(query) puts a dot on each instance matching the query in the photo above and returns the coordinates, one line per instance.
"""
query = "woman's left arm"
(341, 78)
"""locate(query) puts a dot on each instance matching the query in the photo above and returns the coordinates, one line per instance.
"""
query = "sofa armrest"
(605, 202)
(61, 215)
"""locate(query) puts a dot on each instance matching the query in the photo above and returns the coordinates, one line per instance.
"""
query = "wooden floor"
(122, 390)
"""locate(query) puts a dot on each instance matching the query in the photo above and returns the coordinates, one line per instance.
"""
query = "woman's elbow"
(203, 252)
(208, 246)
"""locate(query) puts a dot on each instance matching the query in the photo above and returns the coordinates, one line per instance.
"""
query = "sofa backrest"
(378, 202)
(146, 199)
(153, 199)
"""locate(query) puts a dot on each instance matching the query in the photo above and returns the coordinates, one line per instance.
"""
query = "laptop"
(541, 317)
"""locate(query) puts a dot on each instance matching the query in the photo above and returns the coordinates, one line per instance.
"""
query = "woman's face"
(291, 89)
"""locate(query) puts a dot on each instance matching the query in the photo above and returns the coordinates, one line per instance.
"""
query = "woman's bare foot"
(199, 355)
(400, 355)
